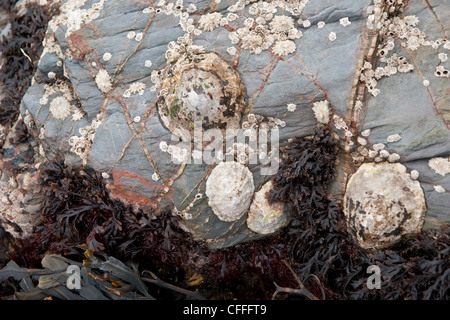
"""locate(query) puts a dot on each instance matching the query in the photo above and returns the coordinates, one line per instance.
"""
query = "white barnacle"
(384, 153)
(137, 119)
(358, 105)
(136, 87)
(148, 64)
(440, 165)
(229, 189)
(60, 108)
(155, 176)
(105, 175)
(283, 48)
(210, 21)
(439, 188)
(131, 35)
(393, 138)
(291, 107)
(191, 8)
(163, 146)
(411, 20)
(426, 83)
(139, 36)
(306, 24)
(365, 133)
(332, 36)
(361, 141)
(51, 75)
(265, 217)
(107, 56)
(442, 56)
(320, 24)
(344, 22)
(148, 10)
(393, 157)
(231, 51)
(281, 24)
(378, 146)
(103, 81)
(414, 174)
(43, 100)
(441, 72)
(372, 154)
(322, 111)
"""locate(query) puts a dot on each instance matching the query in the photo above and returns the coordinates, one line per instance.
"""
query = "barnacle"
(229, 189)
(201, 88)
(393, 138)
(440, 165)
(60, 108)
(281, 24)
(291, 107)
(332, 36)
(210, 21)
(107, 56)
(283, 48)
(135, 87)
(73, 18)
(322, 111)
(103, 81)
(393, 157)
(257, 41)
(439, 188)
(344, 22)
(414, 174)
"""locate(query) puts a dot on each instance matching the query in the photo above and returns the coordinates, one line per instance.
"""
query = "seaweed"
(20, 53)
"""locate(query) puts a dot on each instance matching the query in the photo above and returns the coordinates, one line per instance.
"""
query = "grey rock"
(319, 69)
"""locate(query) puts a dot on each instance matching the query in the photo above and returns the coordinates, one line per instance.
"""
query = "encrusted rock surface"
(285, 53)
(382, 204)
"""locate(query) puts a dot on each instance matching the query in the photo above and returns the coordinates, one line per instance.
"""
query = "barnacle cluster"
(264, 29)
(393, 28)
(60, 96)
(73, 18)
(81, 145)
(210, 21)
(377, 153)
